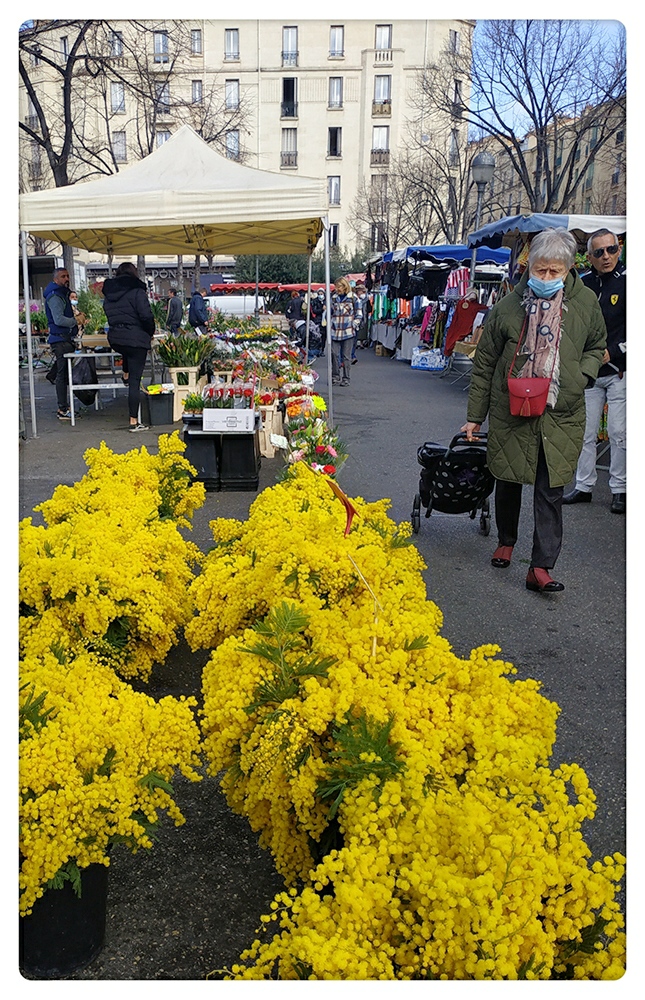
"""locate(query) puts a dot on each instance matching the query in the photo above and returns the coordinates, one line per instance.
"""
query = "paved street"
(191, 904)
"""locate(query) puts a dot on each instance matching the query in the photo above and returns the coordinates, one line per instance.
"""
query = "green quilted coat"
(513, 442)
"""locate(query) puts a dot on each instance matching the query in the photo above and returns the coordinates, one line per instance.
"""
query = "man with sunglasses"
(607, 279)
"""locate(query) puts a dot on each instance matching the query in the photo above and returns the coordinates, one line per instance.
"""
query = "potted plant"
(193, 406)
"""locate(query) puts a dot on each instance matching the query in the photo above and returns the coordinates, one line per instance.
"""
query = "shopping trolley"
(454, 480)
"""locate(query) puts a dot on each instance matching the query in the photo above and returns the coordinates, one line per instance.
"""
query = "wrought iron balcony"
(288, 159)
(289, 109)
(383, 108)
(290, 58)
(379, 158)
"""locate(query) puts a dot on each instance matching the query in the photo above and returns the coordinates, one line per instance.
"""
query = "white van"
(236, 305)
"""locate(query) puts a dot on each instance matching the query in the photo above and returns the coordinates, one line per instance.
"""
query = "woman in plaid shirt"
(346, 315)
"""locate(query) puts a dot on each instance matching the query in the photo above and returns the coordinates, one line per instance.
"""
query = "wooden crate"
(195, 384)
(272, 422)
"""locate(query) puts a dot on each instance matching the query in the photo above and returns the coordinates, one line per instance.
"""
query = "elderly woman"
(551, 328)
(346, 315)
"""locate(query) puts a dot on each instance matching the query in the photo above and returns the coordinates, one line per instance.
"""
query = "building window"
(453, 41)
(35, 56)
(453, 152)
(334, 137)
(615, 177)
(619, 137)
(587, 208)
(197, 91)
(335, 92)
(383, 41)
(589, 178)
(336, 41)
(163, 98)
(457, 99)
(64, 46)
(35, 164)
(160, 42)
(382, 89)
(232, 94)
(333, 190)
(116, 44)
(381, 137)
(614, 204)
(333, 234)
(162, 136)
(196, 42)
(233, 144)
(378, 236)
(289, 148)
(117, 97)
(290, 46)
(119, 147)
(232, 44)
(289, 105)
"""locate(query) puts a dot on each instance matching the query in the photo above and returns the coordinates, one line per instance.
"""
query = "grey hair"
(600, 232)
(554, 244)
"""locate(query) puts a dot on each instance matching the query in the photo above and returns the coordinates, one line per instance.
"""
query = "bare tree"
(549, 94)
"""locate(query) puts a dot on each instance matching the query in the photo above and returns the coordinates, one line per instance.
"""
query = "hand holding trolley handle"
(471, 430)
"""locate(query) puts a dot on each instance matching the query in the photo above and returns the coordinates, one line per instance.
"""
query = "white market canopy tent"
(184, 198)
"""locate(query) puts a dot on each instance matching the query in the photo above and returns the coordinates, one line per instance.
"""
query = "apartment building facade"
(315, 98)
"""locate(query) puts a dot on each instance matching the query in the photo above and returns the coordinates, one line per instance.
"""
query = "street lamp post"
(483, 167)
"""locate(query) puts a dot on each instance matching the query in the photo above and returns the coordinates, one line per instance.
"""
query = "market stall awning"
(508, 228)
(230, 288)
(183, 198)
(458, 253)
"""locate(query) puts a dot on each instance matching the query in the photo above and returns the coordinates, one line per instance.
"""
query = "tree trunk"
(141, 267)
(68, 263)
(198, 281)
(180, 276)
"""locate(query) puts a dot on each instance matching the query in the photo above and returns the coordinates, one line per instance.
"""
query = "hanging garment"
(462, 323)
(457, 284)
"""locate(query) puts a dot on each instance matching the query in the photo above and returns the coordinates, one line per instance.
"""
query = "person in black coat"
(175, 312)
(131, 326)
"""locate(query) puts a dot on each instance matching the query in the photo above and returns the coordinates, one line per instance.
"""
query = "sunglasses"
(614, 248)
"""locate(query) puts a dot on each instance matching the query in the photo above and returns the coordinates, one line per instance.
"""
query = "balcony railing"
(379, 158)
(382, 108)
(288, 159)
(289, 109)
(334, 105)
(32, 122)
(336, 53)
(290, 58)
(383, 55)
(232, 56)
(120, 62)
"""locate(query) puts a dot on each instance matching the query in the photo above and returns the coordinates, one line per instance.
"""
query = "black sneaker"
(63, 414)
(134, 428)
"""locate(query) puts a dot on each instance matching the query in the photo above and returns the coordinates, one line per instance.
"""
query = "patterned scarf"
(541, 348)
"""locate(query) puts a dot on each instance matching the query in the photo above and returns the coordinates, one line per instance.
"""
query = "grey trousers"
(547, 515)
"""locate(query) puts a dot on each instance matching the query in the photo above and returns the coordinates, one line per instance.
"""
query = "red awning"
(315, 285)
(245, 286)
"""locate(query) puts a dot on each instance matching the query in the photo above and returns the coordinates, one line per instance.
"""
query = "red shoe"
(539, 579)
(502, 557)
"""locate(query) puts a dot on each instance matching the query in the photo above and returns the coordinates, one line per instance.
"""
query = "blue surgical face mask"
(545, 289)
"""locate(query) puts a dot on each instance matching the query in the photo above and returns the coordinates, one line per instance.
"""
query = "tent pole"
(328, 311)
(30, 354)
(308, 312)
(257, 276)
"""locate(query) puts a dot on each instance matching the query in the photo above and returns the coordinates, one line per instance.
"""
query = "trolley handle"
(461, 440)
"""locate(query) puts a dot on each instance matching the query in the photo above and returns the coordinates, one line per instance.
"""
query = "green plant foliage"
(69, 872)
(180, 351)
(362, 749)
(91, 304)
(32, 716)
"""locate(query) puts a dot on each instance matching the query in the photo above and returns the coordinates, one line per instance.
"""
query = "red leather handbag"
(527, 396)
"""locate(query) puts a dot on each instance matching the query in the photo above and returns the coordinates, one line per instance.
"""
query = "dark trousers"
(58, 349)
(547, 515)
(134, 359)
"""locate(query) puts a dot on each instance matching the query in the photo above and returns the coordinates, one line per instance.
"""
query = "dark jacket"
(58, 333)
(175, 310)
(513, 442)
(130, 319)
(197, 310)
(611, 292)
(294, 308)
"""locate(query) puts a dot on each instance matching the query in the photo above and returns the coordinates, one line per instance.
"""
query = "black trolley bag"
(454, 480)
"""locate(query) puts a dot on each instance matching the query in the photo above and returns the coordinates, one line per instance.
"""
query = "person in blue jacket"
(63, 329)
(198, 312)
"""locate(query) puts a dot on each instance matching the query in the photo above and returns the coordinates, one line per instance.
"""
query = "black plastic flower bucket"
(65, 932)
